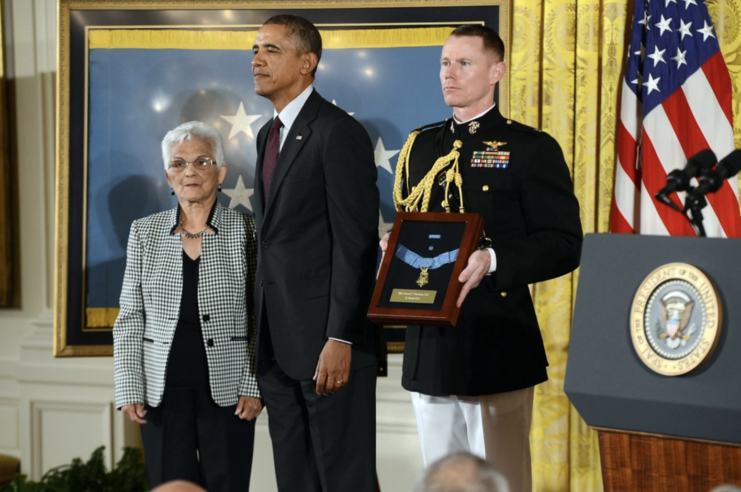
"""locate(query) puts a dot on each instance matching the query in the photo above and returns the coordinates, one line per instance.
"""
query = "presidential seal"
(675, 319)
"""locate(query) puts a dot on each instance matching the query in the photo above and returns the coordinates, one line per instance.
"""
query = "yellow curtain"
(566, 61)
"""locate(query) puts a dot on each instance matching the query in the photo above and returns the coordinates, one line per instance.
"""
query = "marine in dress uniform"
(472, 385)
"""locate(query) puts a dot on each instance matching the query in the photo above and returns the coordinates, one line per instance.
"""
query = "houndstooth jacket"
(150, 307)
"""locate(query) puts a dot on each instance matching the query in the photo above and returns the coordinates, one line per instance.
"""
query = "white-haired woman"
(184, 341)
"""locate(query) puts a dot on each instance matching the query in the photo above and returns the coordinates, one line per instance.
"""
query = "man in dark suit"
(472, 385)
(316, 211)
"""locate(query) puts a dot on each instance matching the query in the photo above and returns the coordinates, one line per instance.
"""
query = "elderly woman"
(184, 341)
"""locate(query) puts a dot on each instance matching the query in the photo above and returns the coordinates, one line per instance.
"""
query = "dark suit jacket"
(532, 217)
(317, 239)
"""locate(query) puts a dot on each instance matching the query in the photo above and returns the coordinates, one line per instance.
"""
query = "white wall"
(53, 410)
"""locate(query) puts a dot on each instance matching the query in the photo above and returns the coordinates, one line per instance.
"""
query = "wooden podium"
(656, 433)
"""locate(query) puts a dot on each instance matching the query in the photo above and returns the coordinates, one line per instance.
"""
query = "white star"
(687, 3)
(706, 31)
(664, 25)
(641, 52)
(335, 103)
(652, 84)
(684, 29)
(668, 2)
(680, 57)
(657, 56)
(383, 156)
(645, 20)
(239, 195)
(241, 122)
(638, 81)
(383, 226)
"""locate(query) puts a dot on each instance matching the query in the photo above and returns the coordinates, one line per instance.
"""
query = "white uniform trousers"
(494, 427)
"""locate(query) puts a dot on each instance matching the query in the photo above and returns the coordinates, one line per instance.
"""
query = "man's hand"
(477, 268)
(135, 412)
(248, 407)
(333, 369)
(384, 244)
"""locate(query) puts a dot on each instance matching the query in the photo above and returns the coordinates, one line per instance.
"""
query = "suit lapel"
(292, 147)
(259, 191)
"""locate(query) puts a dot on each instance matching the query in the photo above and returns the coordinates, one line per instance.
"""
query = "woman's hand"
(135, 412)
(248, 408)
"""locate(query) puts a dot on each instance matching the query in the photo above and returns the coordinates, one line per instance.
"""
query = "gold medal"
(423, 277)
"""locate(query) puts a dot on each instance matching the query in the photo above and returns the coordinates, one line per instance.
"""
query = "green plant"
(128, 476)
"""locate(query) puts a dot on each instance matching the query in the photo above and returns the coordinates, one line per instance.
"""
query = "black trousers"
(188, 436)
(322, 443)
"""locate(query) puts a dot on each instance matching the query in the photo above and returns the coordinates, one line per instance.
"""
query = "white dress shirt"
(290, 113)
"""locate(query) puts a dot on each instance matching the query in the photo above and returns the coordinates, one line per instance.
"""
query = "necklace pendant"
(424, 277)
(191, 235)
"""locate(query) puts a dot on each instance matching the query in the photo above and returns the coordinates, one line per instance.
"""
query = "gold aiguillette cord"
(423, 190)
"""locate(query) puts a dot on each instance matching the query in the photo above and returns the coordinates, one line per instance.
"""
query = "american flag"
(676, 101)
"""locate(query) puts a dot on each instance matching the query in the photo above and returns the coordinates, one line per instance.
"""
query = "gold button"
(509, 122)
(485, 188)
(504, 294)
(413, 188)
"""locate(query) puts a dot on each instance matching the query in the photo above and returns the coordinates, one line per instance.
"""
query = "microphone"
(679, 180)
(712, 181)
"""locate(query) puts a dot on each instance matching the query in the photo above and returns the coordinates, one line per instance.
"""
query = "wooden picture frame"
(92, 223)
(8, 275)
(429, 250)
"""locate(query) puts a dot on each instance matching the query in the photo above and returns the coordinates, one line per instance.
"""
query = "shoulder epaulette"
(431, 125)
(520, 126)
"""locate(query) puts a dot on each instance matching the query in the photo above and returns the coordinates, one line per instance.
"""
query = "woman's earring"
(219, 188)
(172, 192)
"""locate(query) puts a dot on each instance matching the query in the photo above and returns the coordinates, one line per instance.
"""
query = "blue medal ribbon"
(415, 261)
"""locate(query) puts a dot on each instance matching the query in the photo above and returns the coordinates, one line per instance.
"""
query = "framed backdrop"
(129, 71)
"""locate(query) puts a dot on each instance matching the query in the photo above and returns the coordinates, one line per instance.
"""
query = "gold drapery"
(566, 61)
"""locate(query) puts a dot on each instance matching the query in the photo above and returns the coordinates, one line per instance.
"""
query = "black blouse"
(189, 298)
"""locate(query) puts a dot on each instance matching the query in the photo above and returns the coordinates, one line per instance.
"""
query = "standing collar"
(472, 129)
(214, 217)
(291, 111)
(475, 117)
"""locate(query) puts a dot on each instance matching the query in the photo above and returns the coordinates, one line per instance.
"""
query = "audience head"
(461, 472)
(178, 486)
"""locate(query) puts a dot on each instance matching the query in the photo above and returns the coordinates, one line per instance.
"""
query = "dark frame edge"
(448, 315)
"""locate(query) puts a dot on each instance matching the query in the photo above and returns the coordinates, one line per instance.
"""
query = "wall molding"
(10, 436)
(7, 367)
(102, 409)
